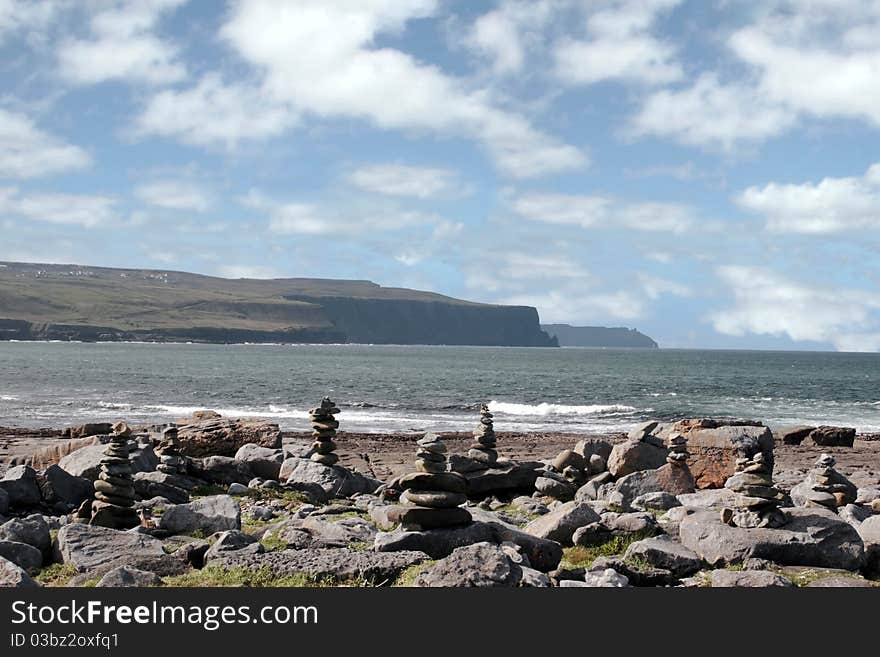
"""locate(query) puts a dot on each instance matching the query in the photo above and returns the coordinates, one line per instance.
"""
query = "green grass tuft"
(265, 577)
(56, 574)
(408, 577)
(583, 557)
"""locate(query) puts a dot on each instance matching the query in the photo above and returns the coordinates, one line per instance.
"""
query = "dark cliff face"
(388, 321)
(599, 336)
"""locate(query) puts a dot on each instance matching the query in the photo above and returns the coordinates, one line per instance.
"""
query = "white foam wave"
(8, 398)
(270, 412)
(545, 409)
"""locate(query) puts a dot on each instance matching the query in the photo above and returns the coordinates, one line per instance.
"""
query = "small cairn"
(170, 460)
(432, 496)
(757, 503)
(824, 486)
(114, 489)
(678, 454)
(324, 427)
(483, 448)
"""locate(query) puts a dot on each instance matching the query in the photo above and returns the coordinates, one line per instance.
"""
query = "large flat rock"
(87, 547)
(812, 537)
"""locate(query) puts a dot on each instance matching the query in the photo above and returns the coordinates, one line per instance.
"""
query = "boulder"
(831, 437)
(230, 541)
(32, 530)
(335, 480)
(89, 429)
(534, 579)
(21, 487)
(869, 531)
(338, 564)
(507, 479)
(854, 514)
(560, 524)
(657, 501)
(86, 461)
(221, 470)
(811, 537)
(663, 552)
(87, 547)
(590, 490)
(22, 555)
(556, 488)
(542, 554)
(589, 447)
(148, 485)
(607, 578)
(710, 498)
(478, 565)
(713, 449)
(613, 525)
(58, 485)
(13, 576)
(264, 462)
(436, 543)
(667, 478)
(219, 436)
(126, 576)
(793, 435)
(215, 513)
(632, 456)
(747, 579)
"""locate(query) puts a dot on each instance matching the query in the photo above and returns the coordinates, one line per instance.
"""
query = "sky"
(707, 171)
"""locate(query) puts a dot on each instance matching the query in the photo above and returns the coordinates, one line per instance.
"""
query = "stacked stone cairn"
(431, 496)
(483, 448)
(758, 500)
(678, 454)
(114, 489)
(170, 460)
(324, 426)
(825, 486)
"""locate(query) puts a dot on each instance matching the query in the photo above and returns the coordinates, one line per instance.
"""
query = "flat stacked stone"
(483, 448)
(827, 487)
(678, 454)
(432, 496)
(170, 460)
(324, 426)
(757, 501)
(114, 489)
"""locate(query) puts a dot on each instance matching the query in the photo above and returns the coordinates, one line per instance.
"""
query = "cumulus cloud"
(832, 205)
(403, 180)
(319, 58)
(175, 195)
(505, 34)
(28, 152)
(123, 45)
(87, 211)
(767, 303)
(603, 212)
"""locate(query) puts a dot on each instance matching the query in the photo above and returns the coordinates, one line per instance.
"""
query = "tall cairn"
(170, 460)
(483, 448)
(432, 496)
(678, 454)
(114, 488)
(757, 500)
(324, 426)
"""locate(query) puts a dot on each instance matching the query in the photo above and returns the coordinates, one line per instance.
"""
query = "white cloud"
(619, 45)
(318, 58)
(711, 113)
(767, 303)
(603, 212)
(402, 180)
(123, 46)
(28, 152)
(830, 206)
(175, 195)
(564, 306)
(72, 209)
(505, 34)
(213, 112)
(26, 16)
(656, 287)
(248, 271)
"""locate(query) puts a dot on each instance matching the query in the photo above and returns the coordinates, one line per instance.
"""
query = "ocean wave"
(270, 412)
(545, 409)
(8, 398)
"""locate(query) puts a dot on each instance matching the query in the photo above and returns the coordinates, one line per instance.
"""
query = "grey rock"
(867, 495)
(854, 514)
(869, 531)
(542, 554)
(13, 576)
(264, 462)
(632, 456)
(334, 480)
(504, 479)
(221, 470)
(552, 487)
(663, 552)
(21, 487)
(811, 537)
(607, 578)
(230, 541)
(336, 564)
(657, 501)
(126, 576)
(671, 520)
(208, 515)
(478, 565)
(666, 478)
(148, 485)
(831, 437)
(840, 583)
(85, 462)
(560, 524)
(747, 578)
(238, 489)
(87, 547)
(436, 543)
(717, 498)
(61, 486)
(643, 431)
(590, 490)
(22, 555)
(793, 435)
(534, 578)
(32, 530)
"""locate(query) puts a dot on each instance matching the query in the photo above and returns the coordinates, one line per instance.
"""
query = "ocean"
(413, 388)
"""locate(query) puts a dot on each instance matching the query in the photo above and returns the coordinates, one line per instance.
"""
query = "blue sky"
(708, 172)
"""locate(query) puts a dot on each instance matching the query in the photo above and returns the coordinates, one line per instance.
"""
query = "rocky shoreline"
(225, 502)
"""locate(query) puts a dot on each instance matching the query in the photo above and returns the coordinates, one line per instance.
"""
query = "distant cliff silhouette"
(598, 336)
